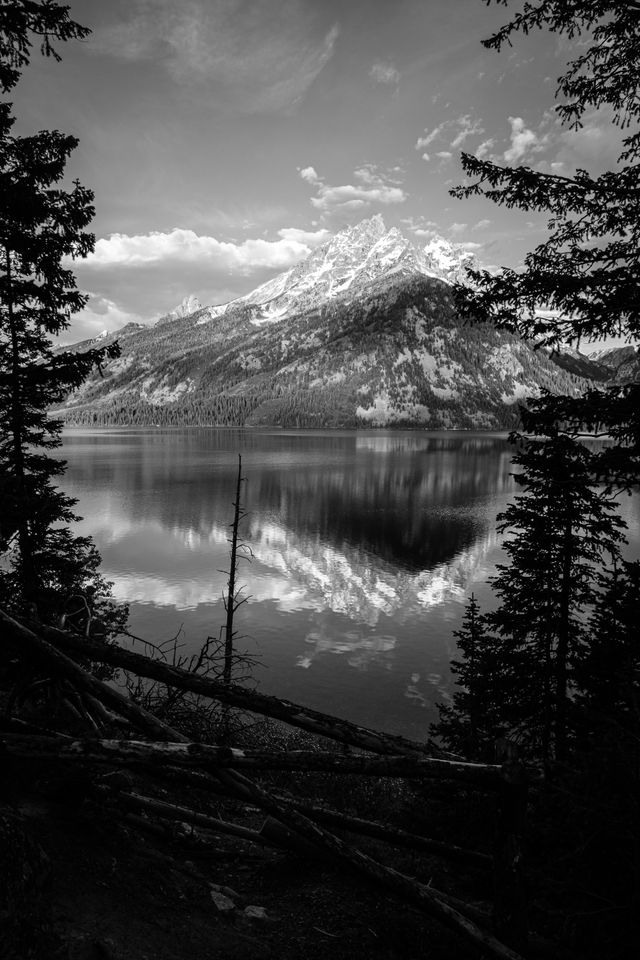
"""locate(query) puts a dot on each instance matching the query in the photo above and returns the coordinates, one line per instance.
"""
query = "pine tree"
(564, 528)
(587, 273)
(587, 276)
(41, 227)
(608, 707)
(473, 721)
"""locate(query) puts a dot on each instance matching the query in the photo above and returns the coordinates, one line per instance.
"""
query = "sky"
(224, 139)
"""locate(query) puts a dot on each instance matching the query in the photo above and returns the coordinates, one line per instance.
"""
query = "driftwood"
(202, 754)
(323, 724)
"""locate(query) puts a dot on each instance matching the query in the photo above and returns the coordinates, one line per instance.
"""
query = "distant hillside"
(362, 333)
(623, 363)
(581, 365)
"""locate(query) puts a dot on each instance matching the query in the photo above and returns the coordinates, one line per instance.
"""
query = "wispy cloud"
(252, 56)
(421, 227)
(454, 131)
(371, 187)
(384, 72)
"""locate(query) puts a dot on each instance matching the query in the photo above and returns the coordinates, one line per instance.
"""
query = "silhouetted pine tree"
(608, 707)
(587, 276)
(41, 226)
(473, 721)
(564, 527)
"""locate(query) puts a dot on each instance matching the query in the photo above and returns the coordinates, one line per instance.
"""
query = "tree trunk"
(27, 571)
(202, 754)
(562, 652)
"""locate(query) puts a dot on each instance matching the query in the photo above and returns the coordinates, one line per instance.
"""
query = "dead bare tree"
(234, 597)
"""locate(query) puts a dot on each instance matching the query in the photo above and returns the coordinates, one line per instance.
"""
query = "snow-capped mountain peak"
(188, 306)
(344, 266)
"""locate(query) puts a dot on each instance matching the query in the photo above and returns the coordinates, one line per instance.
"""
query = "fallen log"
(394, 836)
(389, 834)
(203, 754)
(323, 724)
(62, 665)
(390, 880)
(136, 752)
(173, 811)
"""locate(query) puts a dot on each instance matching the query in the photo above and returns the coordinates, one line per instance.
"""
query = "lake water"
(365, 548)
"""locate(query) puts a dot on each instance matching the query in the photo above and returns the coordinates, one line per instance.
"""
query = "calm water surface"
(365, 547)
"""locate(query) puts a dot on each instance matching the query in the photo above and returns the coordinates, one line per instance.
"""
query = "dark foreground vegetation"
(514, 833)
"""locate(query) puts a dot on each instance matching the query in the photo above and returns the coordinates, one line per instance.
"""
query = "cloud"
(595, 146)
(524, 141)
(185, 246)
(373, 187)
(251, 56)
(467, 128)
(309, 174)
(461, 128)
(310, 238)
(458, 227)
(383, 72)
(101, 313)
(444, 154)
(553, 148)
(423, 142)
(481, 224)
(485, 148)
(421, 227)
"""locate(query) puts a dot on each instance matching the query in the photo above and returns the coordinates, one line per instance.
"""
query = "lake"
(365, 547)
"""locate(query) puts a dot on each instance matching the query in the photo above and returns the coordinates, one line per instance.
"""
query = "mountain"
(623, 363)
(345, 266)
(588, 366)
(361, 333)
(189, 305)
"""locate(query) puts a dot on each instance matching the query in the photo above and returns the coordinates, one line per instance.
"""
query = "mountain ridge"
(362, 332)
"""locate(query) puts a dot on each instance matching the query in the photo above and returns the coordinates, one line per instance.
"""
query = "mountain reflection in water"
(365, 547)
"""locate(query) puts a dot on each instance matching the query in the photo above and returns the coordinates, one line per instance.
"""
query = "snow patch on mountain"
(163, 392)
